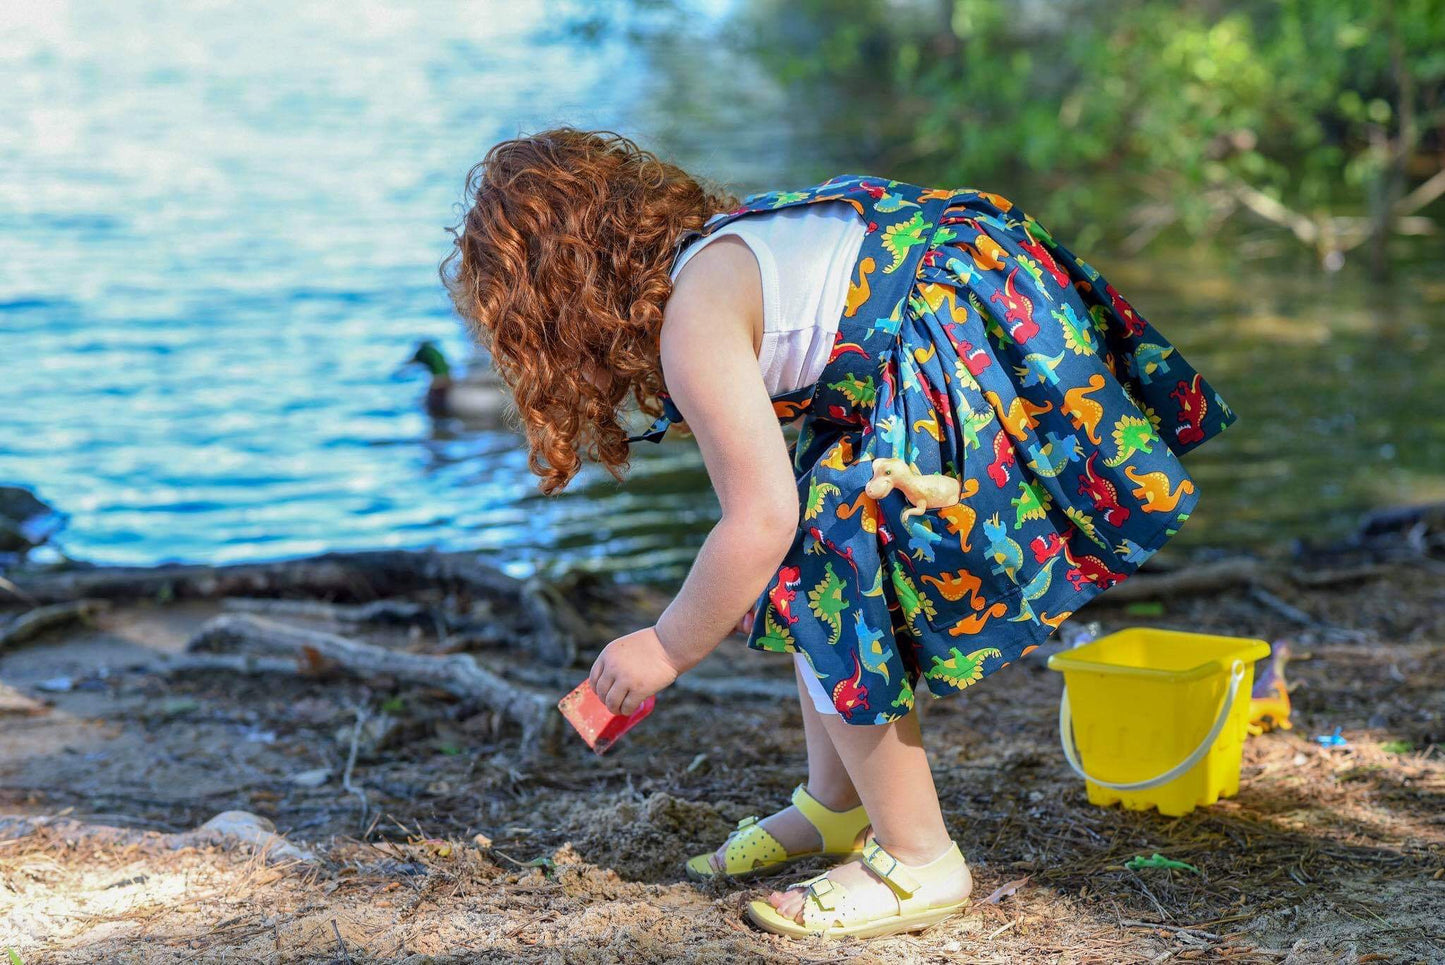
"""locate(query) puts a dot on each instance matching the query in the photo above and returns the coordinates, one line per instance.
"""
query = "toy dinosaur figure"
(1157, 860)
(1269, 700)
(922, 492)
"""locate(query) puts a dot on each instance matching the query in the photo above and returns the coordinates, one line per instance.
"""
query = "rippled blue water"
(221, 225)
(219, 230)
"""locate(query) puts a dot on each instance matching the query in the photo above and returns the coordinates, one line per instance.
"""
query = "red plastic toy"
(597, 725)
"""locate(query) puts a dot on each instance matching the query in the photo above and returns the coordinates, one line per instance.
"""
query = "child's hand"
(630, 669)
(745, 625)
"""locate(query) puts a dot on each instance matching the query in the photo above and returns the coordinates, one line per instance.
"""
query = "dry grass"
(1326, 855)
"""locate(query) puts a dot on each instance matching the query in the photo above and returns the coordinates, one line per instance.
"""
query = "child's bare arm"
(713, 377)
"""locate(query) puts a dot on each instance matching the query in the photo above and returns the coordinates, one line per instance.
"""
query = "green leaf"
(1398, 747)
(14, 956)
(1145, 608)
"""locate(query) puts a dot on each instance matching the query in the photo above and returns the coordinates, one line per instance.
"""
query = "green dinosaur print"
(1132, 434)
(776, 637)
(1100, 317)
(1085, 523)
(910, 599)
(1078, 336)
(1038, 231)
(788, 197)
(827, 602)
(818, 494)
(1032, 502)
(904, 700)
(964, 376)
(1036, 272)
(862, 393)
(959, 670)
(900, 237)
(974, 422)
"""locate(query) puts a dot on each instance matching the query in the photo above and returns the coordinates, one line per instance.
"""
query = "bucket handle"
(1066, 739)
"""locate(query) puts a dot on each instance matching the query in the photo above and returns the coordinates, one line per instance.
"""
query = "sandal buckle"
(747, 822)
(820, 889)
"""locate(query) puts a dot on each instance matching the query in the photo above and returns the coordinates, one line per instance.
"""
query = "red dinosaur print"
(1132, 322)
(1192, 406)
(850, 694)
(1018, 309)
(1102, 493)
(844, 348)
(1090, 569)
(1041, 254)
(846, 555)
(938, 399)
(975, 358)
(784, 592)
(1003, 457)
(1044, 547)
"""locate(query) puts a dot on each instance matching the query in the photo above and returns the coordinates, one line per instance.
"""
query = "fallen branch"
(33, 623)
(458, 674)
(537, 615)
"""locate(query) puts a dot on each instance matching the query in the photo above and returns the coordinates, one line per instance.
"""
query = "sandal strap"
(824, 894)
(883, 864)
(838, 830)
(751, 846)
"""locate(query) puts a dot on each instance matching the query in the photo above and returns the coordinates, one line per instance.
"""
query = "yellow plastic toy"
(1269, 700)
(1158, 717)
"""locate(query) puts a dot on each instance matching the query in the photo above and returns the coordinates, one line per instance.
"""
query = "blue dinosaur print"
(977, 347)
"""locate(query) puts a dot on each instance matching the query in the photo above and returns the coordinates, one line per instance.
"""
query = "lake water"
(220, 226)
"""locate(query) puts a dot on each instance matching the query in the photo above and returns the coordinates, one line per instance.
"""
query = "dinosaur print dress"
(976, 346)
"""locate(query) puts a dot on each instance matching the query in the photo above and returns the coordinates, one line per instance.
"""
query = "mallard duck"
(478, 396)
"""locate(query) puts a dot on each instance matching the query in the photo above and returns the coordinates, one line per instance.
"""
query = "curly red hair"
(560, 268)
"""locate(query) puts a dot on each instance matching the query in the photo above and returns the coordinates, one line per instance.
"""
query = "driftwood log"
(535, 613)
(33, 623)
(458, 674)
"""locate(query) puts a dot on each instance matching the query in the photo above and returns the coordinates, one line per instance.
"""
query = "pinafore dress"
(975, 345)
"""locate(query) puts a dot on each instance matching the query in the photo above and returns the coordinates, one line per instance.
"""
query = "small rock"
(313, 778)
(243, 826)
(481, 840)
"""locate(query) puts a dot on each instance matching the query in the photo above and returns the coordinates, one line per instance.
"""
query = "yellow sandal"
(752, 850)
(829, 911)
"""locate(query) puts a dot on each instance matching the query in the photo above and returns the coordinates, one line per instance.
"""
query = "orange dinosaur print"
(1153, 492)
(1083, 412)
(859, 290)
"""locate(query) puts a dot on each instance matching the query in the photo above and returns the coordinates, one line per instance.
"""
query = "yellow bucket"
(1158, 716)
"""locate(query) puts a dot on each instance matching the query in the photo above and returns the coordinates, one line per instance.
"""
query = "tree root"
(458, 674)
(536, 614)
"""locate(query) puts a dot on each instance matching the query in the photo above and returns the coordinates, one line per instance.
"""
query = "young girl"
(989, 437)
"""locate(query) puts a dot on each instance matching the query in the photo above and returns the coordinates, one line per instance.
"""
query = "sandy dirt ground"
(450, 842)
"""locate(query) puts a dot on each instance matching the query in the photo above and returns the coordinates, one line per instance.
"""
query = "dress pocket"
(952, 569)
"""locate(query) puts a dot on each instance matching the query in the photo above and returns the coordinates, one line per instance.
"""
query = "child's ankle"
(834, 797)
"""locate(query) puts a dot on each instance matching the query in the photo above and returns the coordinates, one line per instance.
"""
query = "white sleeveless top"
(805, 257)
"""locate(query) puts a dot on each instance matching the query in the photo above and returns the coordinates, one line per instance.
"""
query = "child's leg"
(828, 781)
(889, 769)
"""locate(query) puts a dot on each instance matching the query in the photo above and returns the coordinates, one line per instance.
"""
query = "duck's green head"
(429, 354)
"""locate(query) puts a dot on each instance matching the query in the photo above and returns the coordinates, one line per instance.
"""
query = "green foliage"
(1293, 110)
